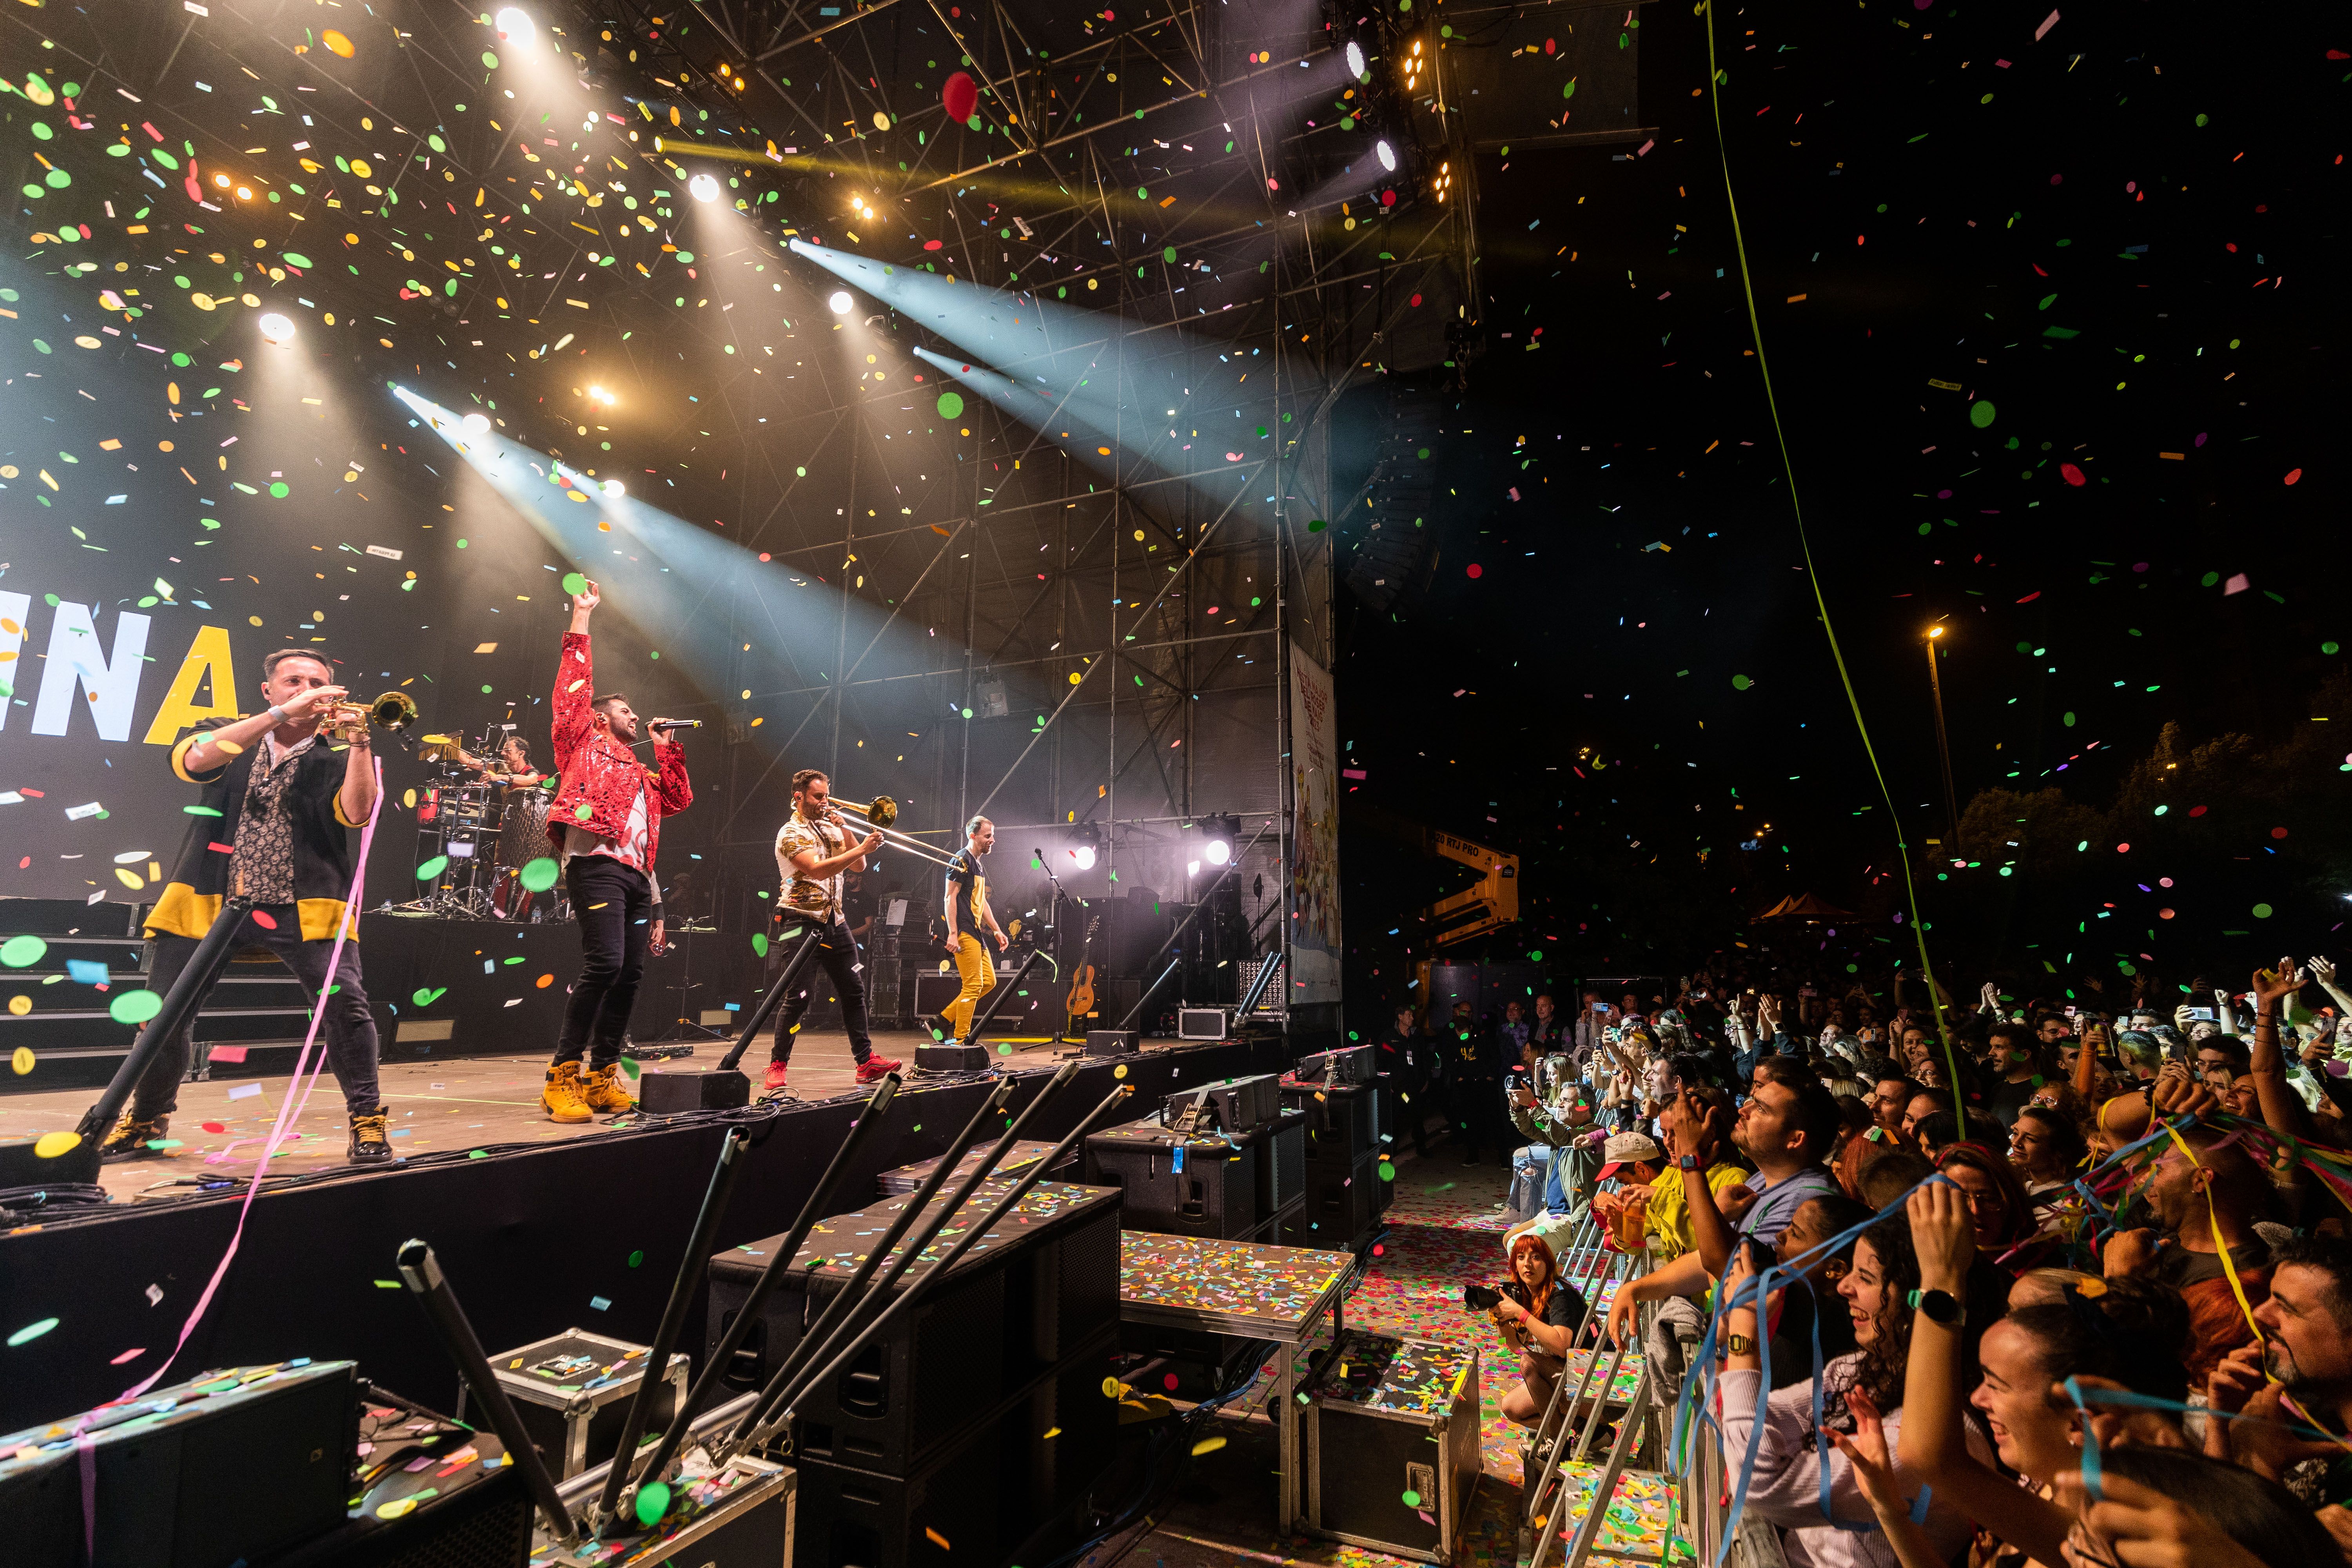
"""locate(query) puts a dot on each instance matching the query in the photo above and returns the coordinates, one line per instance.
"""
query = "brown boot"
(603, 1092)
(562, 1096)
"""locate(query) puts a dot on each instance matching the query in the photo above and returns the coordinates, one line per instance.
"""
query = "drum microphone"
(666, 725)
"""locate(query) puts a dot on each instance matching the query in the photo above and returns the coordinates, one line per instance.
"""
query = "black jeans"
(614, 904)
(836, 950)
(349, 1026)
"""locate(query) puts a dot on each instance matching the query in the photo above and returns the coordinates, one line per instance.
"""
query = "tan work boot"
(603, 1092)
(562, 1096)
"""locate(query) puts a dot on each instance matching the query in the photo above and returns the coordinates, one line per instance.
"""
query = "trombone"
(879, 814)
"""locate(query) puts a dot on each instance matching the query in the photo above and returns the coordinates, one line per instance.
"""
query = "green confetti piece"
(31, 1331)
(759, 943)
(22, 951)
(134, 1007)
(387, 1284)
(541, 874)
(652, 1502)
(574, 582)
(433, 868)
(951, 404)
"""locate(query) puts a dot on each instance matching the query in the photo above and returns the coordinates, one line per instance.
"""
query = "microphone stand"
(793, 968)
(1007, 989)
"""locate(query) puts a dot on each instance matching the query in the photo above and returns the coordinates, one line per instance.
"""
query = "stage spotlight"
(1355, 59)
(276, 329)
(1217, 851)
(476, 425)
(1083, 857)
(613, 490)
(1388, 155)
(840, 302)
(703, 188)
(515, 26)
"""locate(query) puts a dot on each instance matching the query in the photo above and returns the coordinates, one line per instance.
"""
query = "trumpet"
(390, 711)
(879, 813)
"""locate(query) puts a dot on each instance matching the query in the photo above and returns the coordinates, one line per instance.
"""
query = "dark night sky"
(1947, 195)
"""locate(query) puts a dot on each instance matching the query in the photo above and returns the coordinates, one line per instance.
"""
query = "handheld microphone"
(666, 725)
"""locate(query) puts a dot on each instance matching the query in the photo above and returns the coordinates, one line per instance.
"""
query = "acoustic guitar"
(1081, 998)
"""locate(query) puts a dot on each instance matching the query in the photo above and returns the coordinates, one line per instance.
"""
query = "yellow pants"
(979, 972)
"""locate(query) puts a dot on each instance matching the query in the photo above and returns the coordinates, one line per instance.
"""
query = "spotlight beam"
(1123, 121)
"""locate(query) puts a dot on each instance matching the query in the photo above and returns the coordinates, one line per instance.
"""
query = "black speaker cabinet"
(1180, 1186)
(981, 1495)
(1342, 1119)
(669, 1092)
(1341, 1207)
(1042, 1281)
(937, 1058)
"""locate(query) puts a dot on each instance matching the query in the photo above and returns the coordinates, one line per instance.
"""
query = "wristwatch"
(1740, 1344)
(1687, 1163)
(1940, 1307)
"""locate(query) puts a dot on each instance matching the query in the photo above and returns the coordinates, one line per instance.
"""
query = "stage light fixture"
(840, 302)
(614, 491)
(1083, 857)
(703, 188)
(1388, 155)
(276, 329)
(476, 425)
(1217, 851)
(515, 26)
(1355, 59)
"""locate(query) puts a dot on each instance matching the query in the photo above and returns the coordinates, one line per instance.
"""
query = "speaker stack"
(1338, 1093)
(973, 1419)
(1226, 1160)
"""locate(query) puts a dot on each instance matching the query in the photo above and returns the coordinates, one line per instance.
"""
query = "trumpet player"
(813, 848)
(282, 789)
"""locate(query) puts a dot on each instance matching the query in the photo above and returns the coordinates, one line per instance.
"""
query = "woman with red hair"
(1997, 1204)
(1538, 1315)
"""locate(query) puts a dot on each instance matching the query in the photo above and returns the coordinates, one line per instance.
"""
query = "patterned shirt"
(264, 862)
(810, 895)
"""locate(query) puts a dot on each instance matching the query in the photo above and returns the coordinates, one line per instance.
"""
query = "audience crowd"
(2019, 1280)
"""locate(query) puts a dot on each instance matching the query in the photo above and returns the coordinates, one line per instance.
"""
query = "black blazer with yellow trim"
(322, 855)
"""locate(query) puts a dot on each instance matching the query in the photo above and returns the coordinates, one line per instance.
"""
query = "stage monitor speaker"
(950, 1058)
(1201, 1023)
(1113, 1043)
(22, 1166)
(240, 1464)
(671, 1092)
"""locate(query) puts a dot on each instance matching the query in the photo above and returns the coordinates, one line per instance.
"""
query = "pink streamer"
(288, 1110)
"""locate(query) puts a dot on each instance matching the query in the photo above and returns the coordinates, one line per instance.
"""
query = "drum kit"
(484, 830)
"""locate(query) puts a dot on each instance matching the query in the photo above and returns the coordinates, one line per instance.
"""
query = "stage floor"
(460, 1103)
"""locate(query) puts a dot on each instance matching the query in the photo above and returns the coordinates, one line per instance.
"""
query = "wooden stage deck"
(458, 1103)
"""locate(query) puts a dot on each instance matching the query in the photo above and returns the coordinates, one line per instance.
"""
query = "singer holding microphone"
(605, 822)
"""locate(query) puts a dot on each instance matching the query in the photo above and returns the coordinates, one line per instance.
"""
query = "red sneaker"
(775, 1076)
(873, 1066)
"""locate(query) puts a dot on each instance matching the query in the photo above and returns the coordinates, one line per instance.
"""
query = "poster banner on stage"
(1314, 832)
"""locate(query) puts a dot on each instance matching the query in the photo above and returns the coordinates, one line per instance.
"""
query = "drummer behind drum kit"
(485, 829)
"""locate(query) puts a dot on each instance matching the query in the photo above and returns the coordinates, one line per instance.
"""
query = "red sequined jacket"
(600, 774)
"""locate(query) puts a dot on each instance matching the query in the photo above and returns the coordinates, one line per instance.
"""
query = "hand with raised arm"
(1873, 1470)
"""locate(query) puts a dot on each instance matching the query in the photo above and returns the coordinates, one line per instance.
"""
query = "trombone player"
(814, 849)
(275, 814)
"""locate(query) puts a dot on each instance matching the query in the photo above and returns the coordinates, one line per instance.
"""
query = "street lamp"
(1943, 740)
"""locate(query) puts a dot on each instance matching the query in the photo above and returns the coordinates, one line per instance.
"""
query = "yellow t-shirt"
(1671, 1234)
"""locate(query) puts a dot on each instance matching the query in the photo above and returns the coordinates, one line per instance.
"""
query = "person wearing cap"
(1635, 1160)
